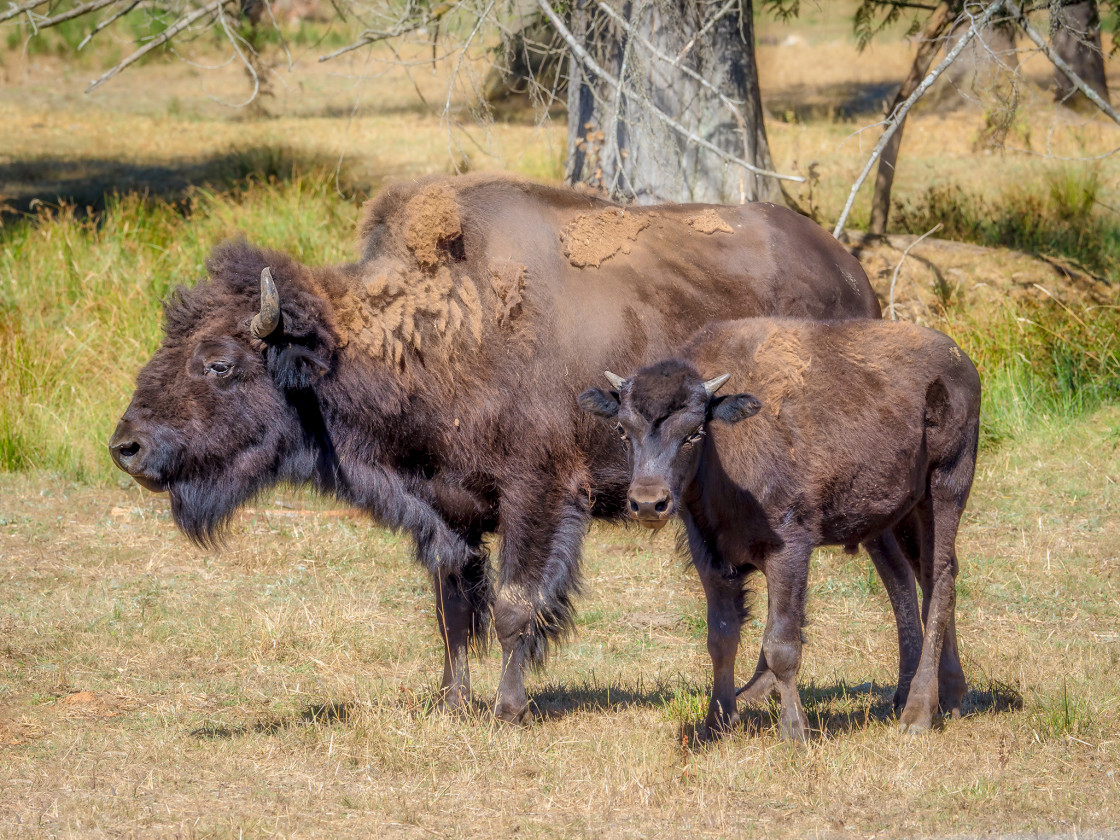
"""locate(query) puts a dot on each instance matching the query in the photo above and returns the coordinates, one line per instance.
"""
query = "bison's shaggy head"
(225, 407)
(661, 413)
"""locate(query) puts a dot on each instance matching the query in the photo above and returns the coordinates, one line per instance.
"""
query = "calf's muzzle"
(651, 503)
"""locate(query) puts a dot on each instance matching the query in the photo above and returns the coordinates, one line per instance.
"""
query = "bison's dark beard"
(203, 510)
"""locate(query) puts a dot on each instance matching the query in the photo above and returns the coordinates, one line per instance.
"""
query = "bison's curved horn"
(615, 380)
(713, 385)
(267, 320)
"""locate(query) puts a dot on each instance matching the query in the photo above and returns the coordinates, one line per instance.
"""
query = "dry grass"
(284, 686)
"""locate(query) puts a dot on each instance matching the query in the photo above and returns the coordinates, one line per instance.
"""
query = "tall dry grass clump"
(80, 301)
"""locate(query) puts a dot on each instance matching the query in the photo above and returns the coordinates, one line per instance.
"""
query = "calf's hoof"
(516, 715)
(795, 728)
(715, 726)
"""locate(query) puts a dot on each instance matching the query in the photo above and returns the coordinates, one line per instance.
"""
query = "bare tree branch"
(371, 36)
(897, 268)
(1060, 63)
(587, 61)
(15, 10)
(109, 21)
(77, 11)
(900, 113)
(163, 38)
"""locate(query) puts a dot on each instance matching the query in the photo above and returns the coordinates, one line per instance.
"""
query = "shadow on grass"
(87, 183)
(839, 709)
(842, 102)
(317, 714)
(554, 702)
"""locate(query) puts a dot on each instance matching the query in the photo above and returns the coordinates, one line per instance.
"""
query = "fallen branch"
(163, 38)
(900, 113)
(587, 61)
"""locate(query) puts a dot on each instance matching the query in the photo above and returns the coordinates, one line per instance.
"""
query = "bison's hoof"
(912, 721)
(517, 715)
(456, 701)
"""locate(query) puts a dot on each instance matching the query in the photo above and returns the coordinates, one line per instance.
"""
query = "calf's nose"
(651, 504)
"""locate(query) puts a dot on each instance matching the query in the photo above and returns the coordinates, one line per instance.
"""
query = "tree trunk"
(616, 141)
(1077, 39)
(928, 46)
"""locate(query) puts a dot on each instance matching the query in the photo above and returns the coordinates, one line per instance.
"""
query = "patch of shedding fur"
(507, 279)
(592, 238)
(431, 217)
(780, 364)
(384, 315)
(709, 222)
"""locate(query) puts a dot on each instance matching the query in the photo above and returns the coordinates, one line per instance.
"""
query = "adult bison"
(862, 432)
(433, 382)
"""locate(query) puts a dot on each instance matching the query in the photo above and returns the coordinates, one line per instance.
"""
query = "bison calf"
(861, 432)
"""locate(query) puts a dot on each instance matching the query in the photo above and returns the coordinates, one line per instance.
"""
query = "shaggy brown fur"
(434, 381)
(852, 432)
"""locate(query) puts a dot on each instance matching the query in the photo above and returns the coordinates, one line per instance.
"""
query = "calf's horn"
(267, 320)
(615, 380)
(713, 385)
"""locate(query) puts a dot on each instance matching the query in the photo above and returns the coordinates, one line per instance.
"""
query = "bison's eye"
(219, 369)
(695, 437)
(621, 431)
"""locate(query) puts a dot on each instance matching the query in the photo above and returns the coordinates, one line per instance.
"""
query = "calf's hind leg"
(787, 576)
(898, 580)
(940, 520)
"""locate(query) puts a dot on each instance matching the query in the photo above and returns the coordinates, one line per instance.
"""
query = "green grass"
(1064, 215)
(80, 308)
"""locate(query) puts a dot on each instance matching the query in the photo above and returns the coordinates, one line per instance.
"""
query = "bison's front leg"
(463, 613)
(542, 531)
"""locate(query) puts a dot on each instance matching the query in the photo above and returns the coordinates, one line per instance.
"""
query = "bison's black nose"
(132, 453)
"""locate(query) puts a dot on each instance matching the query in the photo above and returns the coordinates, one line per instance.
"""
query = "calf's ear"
(295, 367)
(734, 407)
(599, 402)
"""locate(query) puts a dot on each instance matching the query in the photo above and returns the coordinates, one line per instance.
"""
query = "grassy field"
(284, 686)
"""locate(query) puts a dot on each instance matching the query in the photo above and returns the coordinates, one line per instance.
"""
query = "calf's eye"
(695, 437)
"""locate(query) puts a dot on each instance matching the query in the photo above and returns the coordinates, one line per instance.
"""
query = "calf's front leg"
(723, 589)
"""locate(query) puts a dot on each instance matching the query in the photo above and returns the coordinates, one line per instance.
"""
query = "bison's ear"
(599, 402)
(295, 367)
(734, 407)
